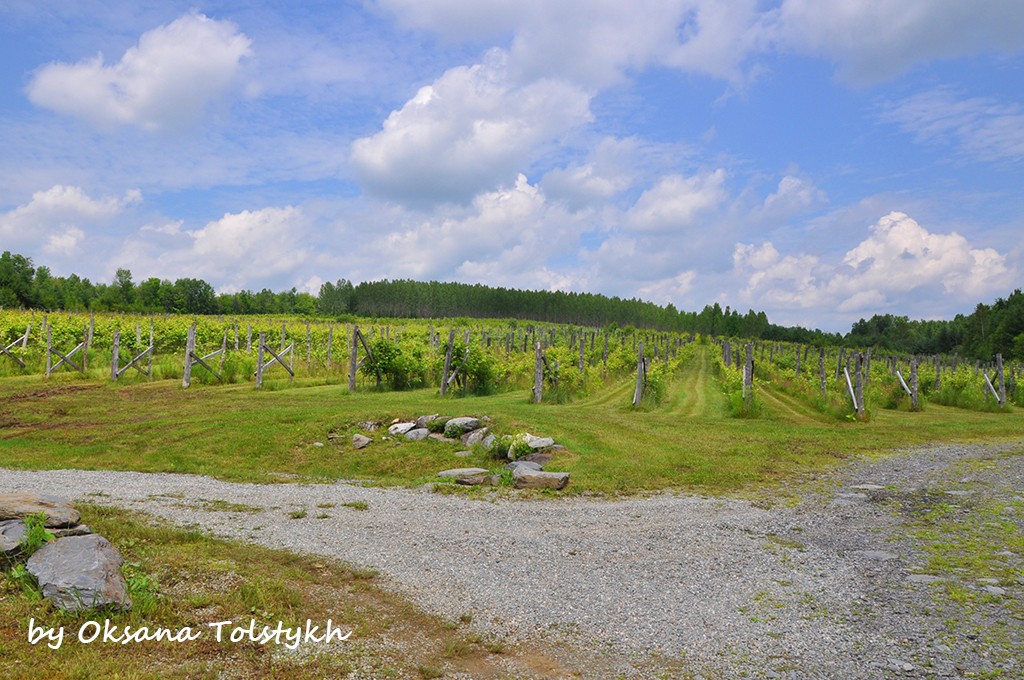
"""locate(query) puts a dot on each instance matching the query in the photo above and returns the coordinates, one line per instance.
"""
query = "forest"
(990, 329)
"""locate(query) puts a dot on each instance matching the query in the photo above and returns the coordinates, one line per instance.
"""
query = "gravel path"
(819, 588)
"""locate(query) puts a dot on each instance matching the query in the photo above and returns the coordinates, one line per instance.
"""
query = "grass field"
(236, 432)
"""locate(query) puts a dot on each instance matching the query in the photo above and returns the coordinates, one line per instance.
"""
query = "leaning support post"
(538, 376)
(638, 393)
(447, 362)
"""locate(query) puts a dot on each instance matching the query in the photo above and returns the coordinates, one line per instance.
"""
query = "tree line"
(997, 328)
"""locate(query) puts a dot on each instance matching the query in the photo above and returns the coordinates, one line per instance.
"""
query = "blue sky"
(820, 161)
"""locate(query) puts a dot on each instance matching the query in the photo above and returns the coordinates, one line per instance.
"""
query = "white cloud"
(981, 128)
(898, 259)
(676, 202)
(673, 289)
(471, 130)
(793, 195)
(54, 218)
(594, 42)
(167, 81)
(879, 39)
(237, 251)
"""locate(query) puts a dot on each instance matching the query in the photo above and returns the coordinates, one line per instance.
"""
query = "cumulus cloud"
(54, 219)
(167, 81)
(793, 195)
(237, 251)
(594, 42)
(897, 258)
(675, 203)
(876, 40)
(978, 127)
(505, 237)
(469, 131)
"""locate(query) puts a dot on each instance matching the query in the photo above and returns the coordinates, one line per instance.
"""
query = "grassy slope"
(236, 432)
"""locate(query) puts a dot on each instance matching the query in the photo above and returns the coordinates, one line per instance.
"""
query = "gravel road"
(822, 584)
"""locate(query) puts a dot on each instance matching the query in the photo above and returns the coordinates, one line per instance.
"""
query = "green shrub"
(36, 534)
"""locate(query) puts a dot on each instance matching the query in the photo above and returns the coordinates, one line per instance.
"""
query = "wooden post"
(352, 360)
(913, 384)
(259, 359)
(538, 376)
(115, 351)
(638, 393)
(152, 350)
(581, 354)
(86, 343)
(190, 348)
(839, 364)
(748, 375)
(798, 359)
(821, 371)
(859, 385)
(447, 362)
(235, 327)
(248, 340)
(49, 348)
(1002, 380)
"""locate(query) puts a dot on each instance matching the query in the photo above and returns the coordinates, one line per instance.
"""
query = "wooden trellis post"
(66, 358)
(23, 340)
(191, 358)
(116, 370)
(821, 371)
(538, 376)
(352, 365)
(262, 366)
(641, 375)
(447, 362)
(748, 375)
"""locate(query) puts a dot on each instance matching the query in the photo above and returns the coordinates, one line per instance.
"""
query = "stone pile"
(78, 569)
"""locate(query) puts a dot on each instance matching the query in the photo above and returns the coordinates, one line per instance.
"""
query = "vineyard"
(636, 410)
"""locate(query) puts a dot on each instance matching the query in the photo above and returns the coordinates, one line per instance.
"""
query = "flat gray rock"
(534, 479)
(462, 472)
(880, 555)
(524, 465)
(59, 512)
(80, 572)
(11, 533)
(360, 440)
(538, 443)
(423, 421)
(475, 436)
(456, 427)
(417, 434)
(400, 428)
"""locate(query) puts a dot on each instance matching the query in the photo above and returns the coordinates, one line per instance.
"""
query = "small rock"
(525, 465)
(12, 531)
(476, 436)
(423, 421)
(540, 458)
(488, 442)
(478, 480)
(438, 437)
(533, 479)
(924, 578)
(368, 425)
(989, 581)
(463, 454)
(80, 530)
(462, 472)
(994, 590)
(538, 443)
(359, 441)
(400, 428)
(456, 427)
(318, 445)
(417, 434)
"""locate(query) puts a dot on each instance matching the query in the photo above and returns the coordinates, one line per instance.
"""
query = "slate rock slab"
(359, 441)
(456, 427)
(525, 465)
(80, 572)
(400, 428)
(476, 436)
(463, 472)
(417, 434)
(59, 512)
(535, 479)
(12, 531)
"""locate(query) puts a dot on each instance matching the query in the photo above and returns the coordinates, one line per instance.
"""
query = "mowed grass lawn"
(239, 433)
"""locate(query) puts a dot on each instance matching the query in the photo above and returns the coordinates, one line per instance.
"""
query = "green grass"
(238, 433)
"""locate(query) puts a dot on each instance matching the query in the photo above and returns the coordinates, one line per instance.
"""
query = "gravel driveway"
(822, 584)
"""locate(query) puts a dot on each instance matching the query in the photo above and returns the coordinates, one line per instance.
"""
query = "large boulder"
(456, 427)
(58, 511)
(535, 479)
(80, 572)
